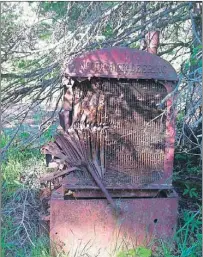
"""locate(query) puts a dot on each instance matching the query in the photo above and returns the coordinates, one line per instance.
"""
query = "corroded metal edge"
(120, 62)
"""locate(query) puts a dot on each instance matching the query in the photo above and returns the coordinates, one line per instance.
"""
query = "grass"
(187, 239)
(21, 171)
(41, 248)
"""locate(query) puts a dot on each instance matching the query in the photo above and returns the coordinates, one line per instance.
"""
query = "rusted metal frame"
(126, 187)
(170, 137)
(97, 194)
(78, 193)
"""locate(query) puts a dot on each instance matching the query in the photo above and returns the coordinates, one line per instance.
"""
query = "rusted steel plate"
(120, 62)
(89, 226)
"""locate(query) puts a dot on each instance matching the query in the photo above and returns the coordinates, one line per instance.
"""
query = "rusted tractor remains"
(113, 186)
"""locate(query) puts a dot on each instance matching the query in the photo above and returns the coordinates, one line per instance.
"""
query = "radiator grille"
(129, 130)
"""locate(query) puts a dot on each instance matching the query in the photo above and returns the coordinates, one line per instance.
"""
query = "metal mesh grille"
(129, 130)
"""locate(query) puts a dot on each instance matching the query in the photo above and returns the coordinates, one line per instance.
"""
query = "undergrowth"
(21, 169)
(21, 236)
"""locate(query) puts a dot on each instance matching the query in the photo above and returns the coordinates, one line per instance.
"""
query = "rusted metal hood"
(120, 62)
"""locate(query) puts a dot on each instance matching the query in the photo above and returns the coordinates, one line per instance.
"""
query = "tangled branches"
(23, 207)
(190, 112)
(80, 27)
(34, 52)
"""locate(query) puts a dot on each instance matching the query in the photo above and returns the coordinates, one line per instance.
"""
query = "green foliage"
(191, 191)
(195, 223)
(187, 239)
(194, 61)
(5, 230)
(48, 135)
(16, 161)
(135, 45)
(22, 64)
(41, 248)
(187, 164)
(46, 35)
(24, 135)
(4, 139)
(189, 235)
(138, 252)
(58, 8)
(59, 11)
(180, 117)
(193, 169)
(181, 157)
(37, 117)
(108, 31)
(14, 166)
